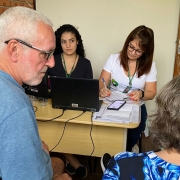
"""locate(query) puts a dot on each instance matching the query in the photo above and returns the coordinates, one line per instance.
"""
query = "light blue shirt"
(21, 153)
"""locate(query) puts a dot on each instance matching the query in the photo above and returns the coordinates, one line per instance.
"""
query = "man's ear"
(13, 50)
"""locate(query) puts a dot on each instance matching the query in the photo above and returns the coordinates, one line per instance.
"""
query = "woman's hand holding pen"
(104, 92)
(135, 95)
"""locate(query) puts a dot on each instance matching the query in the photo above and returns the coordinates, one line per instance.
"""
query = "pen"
(105, 86)
(104, 83)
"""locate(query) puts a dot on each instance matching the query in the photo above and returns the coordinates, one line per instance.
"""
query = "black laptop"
(75, 93)
(40, 90)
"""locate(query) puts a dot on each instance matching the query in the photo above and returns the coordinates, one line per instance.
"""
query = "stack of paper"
(126, 114)
(101, 111)
(136, 114)
(122, 115)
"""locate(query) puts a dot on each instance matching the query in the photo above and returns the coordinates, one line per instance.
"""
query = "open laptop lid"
(75, 93)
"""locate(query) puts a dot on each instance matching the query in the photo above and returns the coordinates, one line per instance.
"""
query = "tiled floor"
(97, 172)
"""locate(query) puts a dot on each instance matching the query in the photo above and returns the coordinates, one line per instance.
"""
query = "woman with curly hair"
(70, 62)
(70, 55)
(165, 133)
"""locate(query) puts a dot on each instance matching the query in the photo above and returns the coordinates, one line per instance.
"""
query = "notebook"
(75, 93)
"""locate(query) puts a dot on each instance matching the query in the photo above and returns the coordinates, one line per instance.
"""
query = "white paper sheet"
(116, 95)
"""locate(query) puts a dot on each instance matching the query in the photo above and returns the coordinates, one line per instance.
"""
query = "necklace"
(64, 63)
(126, 90)
(131, 78)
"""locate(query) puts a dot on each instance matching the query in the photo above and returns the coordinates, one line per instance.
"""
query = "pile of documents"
(130, 112)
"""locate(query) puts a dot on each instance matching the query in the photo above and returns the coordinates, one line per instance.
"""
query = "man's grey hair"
(21, 23)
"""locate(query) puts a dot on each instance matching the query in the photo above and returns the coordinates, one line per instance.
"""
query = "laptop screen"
(75, 93)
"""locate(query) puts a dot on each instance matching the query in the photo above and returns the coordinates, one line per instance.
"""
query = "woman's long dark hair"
(69, 28)
(145, 36)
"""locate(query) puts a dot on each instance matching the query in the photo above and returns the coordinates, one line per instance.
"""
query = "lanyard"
(64, 63)
(131, 78)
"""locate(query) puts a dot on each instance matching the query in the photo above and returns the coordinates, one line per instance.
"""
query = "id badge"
(127, 89)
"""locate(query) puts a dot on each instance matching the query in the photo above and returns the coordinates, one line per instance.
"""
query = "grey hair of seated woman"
(165, 122)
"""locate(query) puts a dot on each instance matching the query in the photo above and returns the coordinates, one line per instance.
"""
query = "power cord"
(52, 118)
(91, 135)
(89, 159)
(65, 128)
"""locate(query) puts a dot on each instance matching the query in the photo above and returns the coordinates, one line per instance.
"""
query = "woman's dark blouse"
(83, 68)
(142, 166)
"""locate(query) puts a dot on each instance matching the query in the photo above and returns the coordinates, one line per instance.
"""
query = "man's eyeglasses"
(137, 51)
(47, 55)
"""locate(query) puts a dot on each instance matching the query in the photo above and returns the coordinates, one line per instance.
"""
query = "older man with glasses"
(23, 156)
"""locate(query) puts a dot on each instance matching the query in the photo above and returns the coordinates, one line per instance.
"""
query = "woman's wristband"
(142, 92)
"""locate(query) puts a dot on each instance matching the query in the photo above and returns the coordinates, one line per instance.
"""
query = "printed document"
(117, 95)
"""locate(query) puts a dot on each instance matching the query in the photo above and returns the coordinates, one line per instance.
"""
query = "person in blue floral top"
(165, 133)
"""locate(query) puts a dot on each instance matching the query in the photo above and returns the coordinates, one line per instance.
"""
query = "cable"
(52, 118)
(89, 159)
(64, 129)
(91, 135)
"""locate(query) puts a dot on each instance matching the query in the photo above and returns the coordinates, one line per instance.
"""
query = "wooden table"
(107, 137)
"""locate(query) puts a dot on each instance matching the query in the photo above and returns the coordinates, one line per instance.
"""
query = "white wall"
(105, 24)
